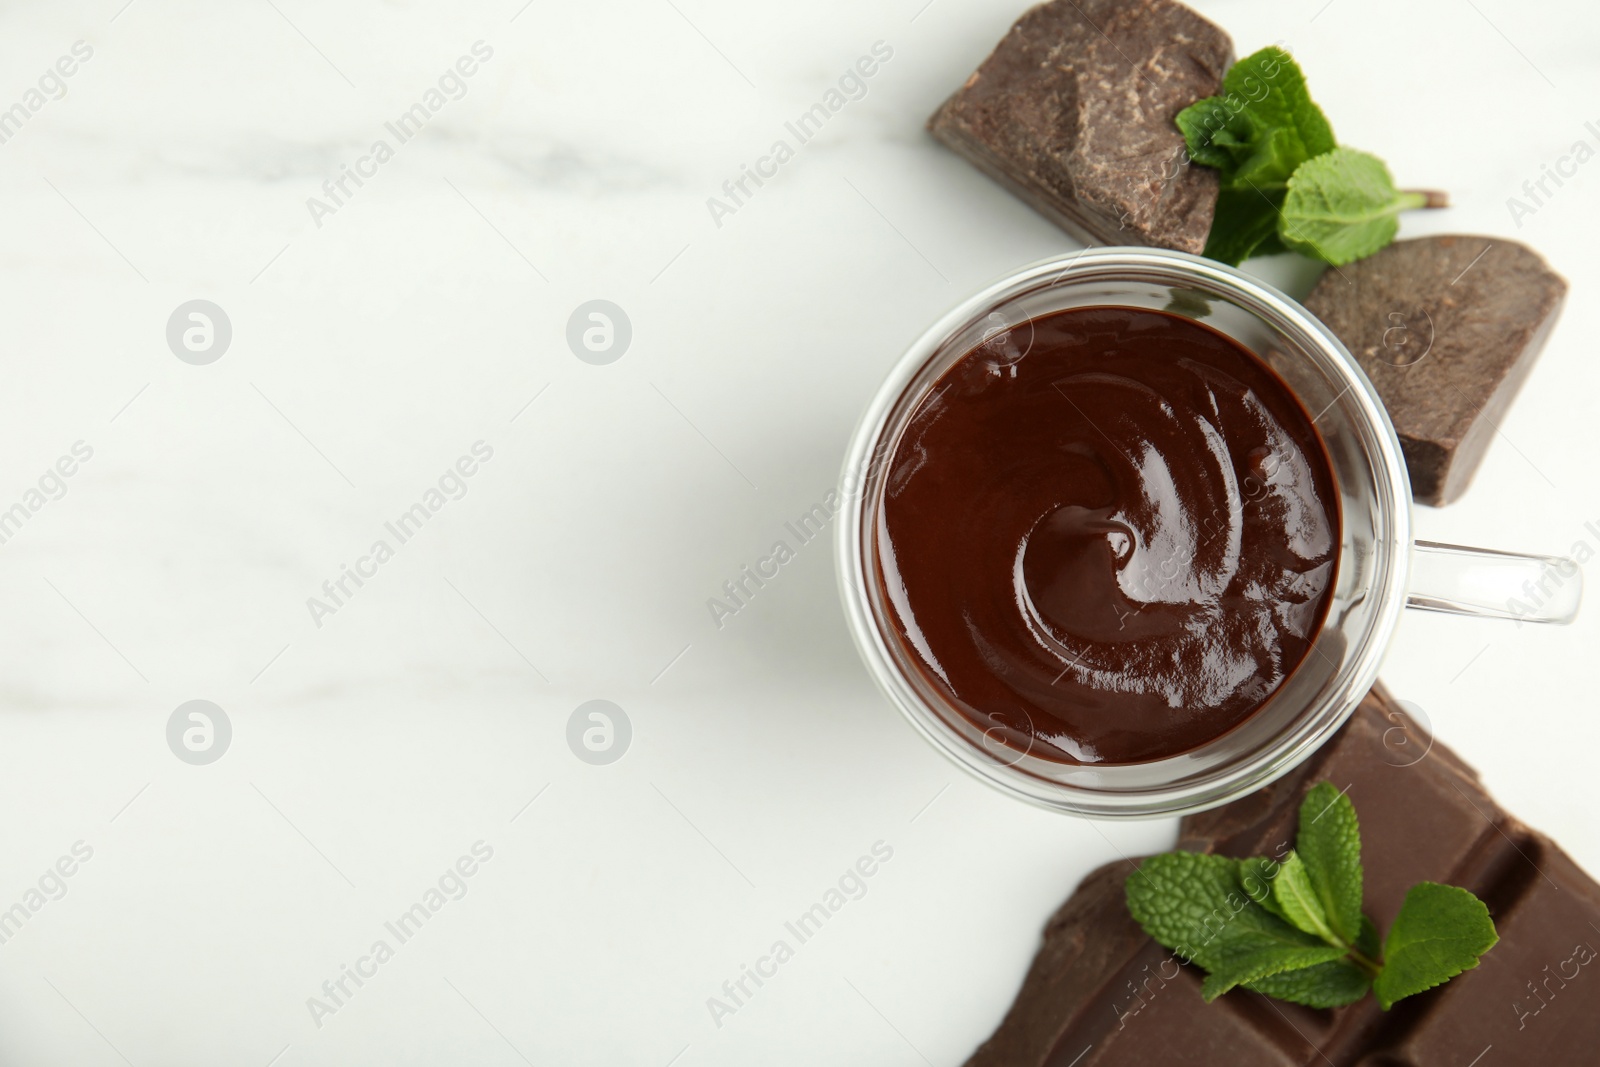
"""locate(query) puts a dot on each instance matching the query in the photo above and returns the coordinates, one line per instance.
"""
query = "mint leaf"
(1329, 844)
(1299, 903)
(1368, 943)
(1196, 905)
(1185, 899)
(1256, 875)
(1205, 125)
(1261, 128)
(1245, 224)
(1327, 985)
(1441, 931)
(1342, 206)
(1262, 954)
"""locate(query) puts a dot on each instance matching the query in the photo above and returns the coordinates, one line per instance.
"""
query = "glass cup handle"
(1496, 585)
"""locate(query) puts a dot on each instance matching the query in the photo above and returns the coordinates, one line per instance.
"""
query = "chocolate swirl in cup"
(1110, 545)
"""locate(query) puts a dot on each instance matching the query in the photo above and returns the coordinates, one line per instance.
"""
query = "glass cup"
(1379, 569)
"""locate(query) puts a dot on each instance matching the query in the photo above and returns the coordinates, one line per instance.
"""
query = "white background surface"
(369, 353)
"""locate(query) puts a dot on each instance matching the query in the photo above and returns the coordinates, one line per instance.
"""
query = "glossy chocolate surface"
(1108, 535)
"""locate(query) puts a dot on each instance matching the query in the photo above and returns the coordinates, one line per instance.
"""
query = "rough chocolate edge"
(1441, 466)
(1468, 457)
(1069, 209)
(1073, 963)
(1081, 227)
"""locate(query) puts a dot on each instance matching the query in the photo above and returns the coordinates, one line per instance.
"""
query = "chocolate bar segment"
(1535, 998)
(1447, 328)
(1101, 994)
(1074, 112)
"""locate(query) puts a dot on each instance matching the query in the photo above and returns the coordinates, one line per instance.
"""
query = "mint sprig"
(1261, 128)
(1284, 182)
(1293, 928)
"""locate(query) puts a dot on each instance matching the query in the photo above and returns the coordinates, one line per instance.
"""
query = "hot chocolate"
(1108, 535)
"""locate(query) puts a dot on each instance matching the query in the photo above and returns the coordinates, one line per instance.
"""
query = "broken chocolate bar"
(1074, 112)
(1447, 328)
(1102, 994)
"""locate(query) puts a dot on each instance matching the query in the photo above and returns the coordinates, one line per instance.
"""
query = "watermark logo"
(598, 732)
(199, 732)
(52, 485)
(199, 332)
(1005, 342)
(52, 85)
(451, 885)
(851, 885)
(1407, 338)
(1537, 192)
(1256, 880)
(51, 886)
(1409, 736)
(852, 85)
(452, 85)
(999, 741)
(1550, 983)
(337, 592)
(1554, 577)
(599, 332)
(741, 589)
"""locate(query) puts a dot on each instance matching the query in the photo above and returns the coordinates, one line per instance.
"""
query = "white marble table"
(376, 742)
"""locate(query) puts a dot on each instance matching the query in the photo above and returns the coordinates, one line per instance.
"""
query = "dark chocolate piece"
(1101, 994)
(1447, 328)
(1074, 112)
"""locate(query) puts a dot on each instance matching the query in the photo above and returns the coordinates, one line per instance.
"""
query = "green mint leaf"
(1327, 985)
(1263, 954)
(1300, 904)
(1441, 931)
(1368, 943)
(1245, 223)
(1205, 125)
(1329, 845)
(1261, 128)
(1256, 875)
(1184, 900)
(1278, 152)
(1196, 905)
(1342, 206)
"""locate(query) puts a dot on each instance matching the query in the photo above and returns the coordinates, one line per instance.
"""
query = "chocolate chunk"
(1074, 112)
(1101, 994)
(1447, 328)
(1536, 995)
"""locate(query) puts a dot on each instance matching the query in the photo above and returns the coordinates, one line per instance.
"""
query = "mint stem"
(1425, 198)
(1370, 966)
